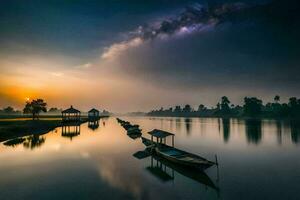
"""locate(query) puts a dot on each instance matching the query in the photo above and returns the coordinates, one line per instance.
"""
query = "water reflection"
(93, 125)
(70, 131)
(178, 124)
(187, 122)
(14, 142)
(279, 132)
(164, 171)
(30, 142)
(226, 129)
(253, 131)
(161, 171)
(295, 131)
(34, 141)
(104, 164)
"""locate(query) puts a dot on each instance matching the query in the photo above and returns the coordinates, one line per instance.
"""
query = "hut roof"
(160, 133)
(71, 110)
(93, 110)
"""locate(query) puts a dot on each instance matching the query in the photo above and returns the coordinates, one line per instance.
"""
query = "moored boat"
(173, 154)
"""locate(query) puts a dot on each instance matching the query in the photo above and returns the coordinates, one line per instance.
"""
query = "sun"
(27, 98)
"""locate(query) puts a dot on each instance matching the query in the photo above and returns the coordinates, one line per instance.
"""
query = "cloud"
(57, 74)
(85, 66)
(194, 18)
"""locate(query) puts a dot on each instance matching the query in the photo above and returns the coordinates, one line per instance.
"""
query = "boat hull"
(202, 166)
(202, 163)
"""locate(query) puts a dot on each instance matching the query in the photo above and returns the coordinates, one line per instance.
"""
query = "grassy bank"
(19, 128)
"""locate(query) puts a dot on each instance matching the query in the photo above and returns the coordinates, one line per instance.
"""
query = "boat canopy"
(161, 135)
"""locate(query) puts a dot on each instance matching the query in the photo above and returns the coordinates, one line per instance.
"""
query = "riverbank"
(19, 128)
(12, 128)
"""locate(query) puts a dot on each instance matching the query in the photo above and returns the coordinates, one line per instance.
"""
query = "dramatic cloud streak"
(194, 18)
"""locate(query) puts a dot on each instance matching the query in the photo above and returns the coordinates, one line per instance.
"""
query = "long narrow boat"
(178, 156)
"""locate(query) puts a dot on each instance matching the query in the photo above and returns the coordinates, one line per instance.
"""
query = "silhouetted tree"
(187, 108)
(252, 106)
(218, 106)
(54, 110)
(8, 110)
(177, 109)
(225, 109)
(201, 107)
(35, 107)
(277, 99)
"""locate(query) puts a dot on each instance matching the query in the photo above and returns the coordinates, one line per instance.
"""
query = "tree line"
(252, 107)
(34, 108)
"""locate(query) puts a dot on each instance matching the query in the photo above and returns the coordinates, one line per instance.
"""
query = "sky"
(135, 55)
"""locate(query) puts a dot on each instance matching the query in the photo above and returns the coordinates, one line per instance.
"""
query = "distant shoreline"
(216, 116)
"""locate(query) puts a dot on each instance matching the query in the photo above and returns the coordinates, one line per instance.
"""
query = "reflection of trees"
(34, 141)
(93, 124)
(178, 124)
(70, 131)
(295, 131)
(187, 122)
(30, 142)
(253, 131)
(279, 131)
(14, 142)
(226, 129)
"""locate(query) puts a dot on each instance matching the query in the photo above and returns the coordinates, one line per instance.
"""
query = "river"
(257, 160)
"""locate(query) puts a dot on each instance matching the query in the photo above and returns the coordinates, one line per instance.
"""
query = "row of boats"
(133, 130)
(158, 146)
(164, 156)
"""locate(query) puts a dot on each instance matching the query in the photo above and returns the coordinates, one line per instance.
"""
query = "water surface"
(257, 160)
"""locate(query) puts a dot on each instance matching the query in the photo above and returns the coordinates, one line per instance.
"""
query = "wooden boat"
(182, 157)
(178, 156)
(133, 130)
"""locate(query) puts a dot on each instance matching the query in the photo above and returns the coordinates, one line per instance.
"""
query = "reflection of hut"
(70, 131)
(93, 114)
(70, 115)
(93, 124)
(161, 171)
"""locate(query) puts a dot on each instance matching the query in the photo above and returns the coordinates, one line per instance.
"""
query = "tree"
(177, 109)
(35, 107)
(201, 107)
(252, 106)
(277, 99)
(187, 108)
(225, 109)
(8, 110)
(54, 110)
(294, 105)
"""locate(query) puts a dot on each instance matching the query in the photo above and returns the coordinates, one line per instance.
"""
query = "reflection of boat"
(164, 170)
(173, 154)
(194, 174)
